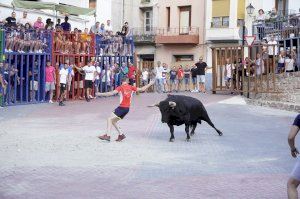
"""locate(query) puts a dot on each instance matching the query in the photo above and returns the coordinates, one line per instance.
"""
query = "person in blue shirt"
(66, 26)
(294, 179)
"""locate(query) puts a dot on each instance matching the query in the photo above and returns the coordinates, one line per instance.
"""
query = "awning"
(72, 10)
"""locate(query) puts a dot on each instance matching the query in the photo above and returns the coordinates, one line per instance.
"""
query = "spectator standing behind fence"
(294, 179)
(63, 79)
(123, 71)
(281, 62)
(34, 83)
(89, 78)
(108, 26)
(11, 21)
(173, 79)
(132, 74)
(272, 51)
(97, 78)
(50, 80)
(57, 25)
(49, 24)
(24, 20)
(66, 26)
(201, 67)
(39, 24)
(145, 77)
(228, 73)
(187, 77)
(106, 79)
(95, 28)
(194, 78)
(259, 63)
(289, 64)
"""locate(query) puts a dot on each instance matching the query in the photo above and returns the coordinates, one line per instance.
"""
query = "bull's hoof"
(172, 140)
(192, 134)
(188, 139)
(220, 134)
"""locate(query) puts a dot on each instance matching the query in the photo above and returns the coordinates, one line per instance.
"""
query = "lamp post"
(250, 9)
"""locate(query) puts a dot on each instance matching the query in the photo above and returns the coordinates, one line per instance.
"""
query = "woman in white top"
(228, 73)
(261, 16)
(289, 64)
(259, 64)
(281, 61)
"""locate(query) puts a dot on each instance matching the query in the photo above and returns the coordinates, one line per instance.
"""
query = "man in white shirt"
(24, 20)
(159, 78)
(97, 78)
(106, 79)
(63, 79)
(228, 73)
(90, 75)
(145, 77)
(108, 26)
(272, 51)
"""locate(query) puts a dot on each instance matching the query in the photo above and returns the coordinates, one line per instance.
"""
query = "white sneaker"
(91, 97)
(51, 102)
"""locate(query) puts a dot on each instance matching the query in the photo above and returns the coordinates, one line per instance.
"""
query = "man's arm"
(78, 68)
(291, 140)
(144, 88)
(107, 94)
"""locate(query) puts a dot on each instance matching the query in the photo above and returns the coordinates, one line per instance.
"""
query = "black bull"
(180, 109)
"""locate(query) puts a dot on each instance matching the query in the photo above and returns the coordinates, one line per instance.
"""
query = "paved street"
(47, 151)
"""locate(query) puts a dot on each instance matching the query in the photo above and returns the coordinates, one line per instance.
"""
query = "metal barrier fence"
(244, 70)
(24, 76)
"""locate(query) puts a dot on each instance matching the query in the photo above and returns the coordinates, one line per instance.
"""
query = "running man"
(294, 180)
(125, 91)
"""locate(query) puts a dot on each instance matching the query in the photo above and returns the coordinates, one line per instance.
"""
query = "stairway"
(288, 97)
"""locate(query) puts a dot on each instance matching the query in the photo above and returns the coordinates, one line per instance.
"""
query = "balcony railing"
(144, 34)
(177, 31)
(145, 1)
(281, 27)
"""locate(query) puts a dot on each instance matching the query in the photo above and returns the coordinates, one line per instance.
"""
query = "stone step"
(275, 104)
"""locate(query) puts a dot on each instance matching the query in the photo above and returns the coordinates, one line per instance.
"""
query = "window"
(168, 17)
(185, 19)
(148, 20)
(179, 58)
(219, 22)
(225, 21)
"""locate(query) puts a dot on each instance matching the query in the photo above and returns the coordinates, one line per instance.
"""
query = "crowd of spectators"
(23, 35)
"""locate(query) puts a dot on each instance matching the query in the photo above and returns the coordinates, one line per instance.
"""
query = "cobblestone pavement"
(48, 151)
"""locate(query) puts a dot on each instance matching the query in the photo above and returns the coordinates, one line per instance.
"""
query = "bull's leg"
(187, 130)
(172, 138)
(193, 129)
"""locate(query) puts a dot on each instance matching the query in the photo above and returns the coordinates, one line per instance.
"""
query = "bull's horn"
(154, 105)
(172, 104)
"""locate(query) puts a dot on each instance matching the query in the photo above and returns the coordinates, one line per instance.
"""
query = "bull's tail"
(207, 119)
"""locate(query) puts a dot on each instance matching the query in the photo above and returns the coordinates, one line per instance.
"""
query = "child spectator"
(281, 62)
(58, 25)
(50, 80)
(39, 24)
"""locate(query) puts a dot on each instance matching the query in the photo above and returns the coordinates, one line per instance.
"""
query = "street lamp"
(250, 9)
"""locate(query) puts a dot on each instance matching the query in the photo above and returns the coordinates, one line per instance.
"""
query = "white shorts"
(296, 171)
(35, 85)
(49, 86)
(200, 78)
(80, 83)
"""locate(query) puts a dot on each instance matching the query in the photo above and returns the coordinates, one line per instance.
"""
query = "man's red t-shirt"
(131, 72)
(126, 91)
(180, 73)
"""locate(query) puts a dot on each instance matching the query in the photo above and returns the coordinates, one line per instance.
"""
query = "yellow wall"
(241, 9)
(220, 8)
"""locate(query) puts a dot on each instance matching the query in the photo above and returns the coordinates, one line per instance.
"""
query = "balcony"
(222, 33)
(185, 35)
(144, 35)
(281, 28)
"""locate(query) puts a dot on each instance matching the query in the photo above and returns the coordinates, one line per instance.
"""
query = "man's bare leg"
(292, 188)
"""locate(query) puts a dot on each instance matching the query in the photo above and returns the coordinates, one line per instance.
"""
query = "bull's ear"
(154, 105)
(172, 104)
